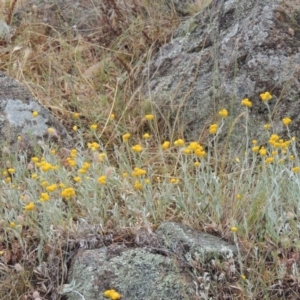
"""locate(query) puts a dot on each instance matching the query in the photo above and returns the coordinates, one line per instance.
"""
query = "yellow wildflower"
(51, 188)
(11, 170)
(263, 151)
(147, 181)
(12, 224)
(265, 96)
(149, 117)
(51, 130)
(94, 146)
(68, 193)
(238, 196)
(75, 128)
(223, 113)
(267, 126)
(76, 115)
(101, 157)
(146, 136)
(94, 126)
(234, 229)
(254, 142)
(112, 117)
(213, 128)
(137, 148)
(29, 206)
(138, 186)
(112, 294)
(34, 176)
(179, 142)
(102, 179)
(269, 160)
(77, 179)
(126, 137)
(243, 277)
(286, 121)
(196, 164)
(296, 169)
(138, 172)
(53, 151)
(19, 138)
(174, 180)
(186, 150)
(165, 145)
(35, 114)
(44, 197)
(246, 102)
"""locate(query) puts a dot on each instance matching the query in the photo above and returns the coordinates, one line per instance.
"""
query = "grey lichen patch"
(19, 114)
(135, 273)
(187, 242)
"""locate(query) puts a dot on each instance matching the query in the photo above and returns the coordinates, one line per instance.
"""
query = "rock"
(187, 7)
(148, 273)
(191, 244)
(231, 50)
(16, 107)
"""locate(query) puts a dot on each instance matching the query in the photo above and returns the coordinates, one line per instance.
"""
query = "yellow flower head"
(223, 113)
(213, 128)
(263, 151)
(76, 115)
(44, 197)
(196, 164)
(126, 137)
(35, 114)
(34, 159)
(112, 294)
(146, 136)
(94, 126)
(286, 121)
(186, 151)
(112, 117)
(267, 126)
(296, 169)
(265, 96)
(179, 142)
(51, 188)
(165, 145)
(75, 128)
(102, 179)
(29, 206)
(246, 102)
(138, 186)
(138, 172)
(137, 148)
(11, 170)
(269, 160)
(68, 193)
(234, 229)
(149, 117)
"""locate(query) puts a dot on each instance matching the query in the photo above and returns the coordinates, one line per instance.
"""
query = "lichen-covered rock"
(232, 50)
(16, 119)
(134, 273)
(148, 273)
(192, 244)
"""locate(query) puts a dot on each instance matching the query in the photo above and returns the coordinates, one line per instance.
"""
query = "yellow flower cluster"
(276, 142)
(165, 145)
(223, 113)
(84, 168)
(112, 294)
(137, 148)
(213, 128)
(102, 179)
(196, 148)
(93, 146)
(149, 117)
(51, 188)
(138, 186)
(138, 172)
(246, 102)
(265, 96)
(179, 142)
(30, 206)
(126, 137)
(68, 193)
(286, 121)
(44, 197)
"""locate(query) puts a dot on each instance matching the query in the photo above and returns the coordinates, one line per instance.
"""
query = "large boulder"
(230, 51)
(158, 271)
(19, 130)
